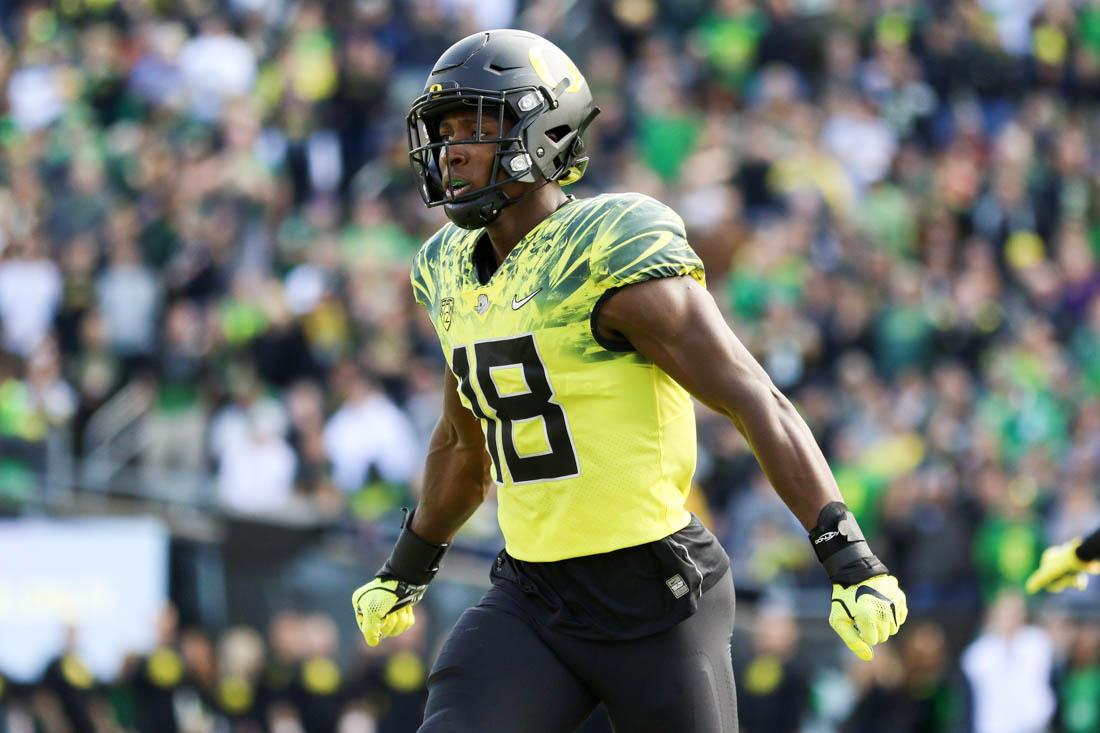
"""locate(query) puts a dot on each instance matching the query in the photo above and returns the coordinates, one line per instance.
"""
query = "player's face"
(468, 166)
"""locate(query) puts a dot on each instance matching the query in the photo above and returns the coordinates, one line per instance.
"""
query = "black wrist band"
(413, 559)
(841, 547)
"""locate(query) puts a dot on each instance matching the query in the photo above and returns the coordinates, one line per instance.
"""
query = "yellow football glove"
(868, 613)
(1060, 568)
(384, 607)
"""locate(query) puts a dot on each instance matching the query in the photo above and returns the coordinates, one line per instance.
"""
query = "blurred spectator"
(287, 640)
(860, 139)
(395, 679)
(927, 530)
(78, 297)
(156, 76)
(69, 684)
(36, 92)
(319, 691)
(1079, 703)
(83, 203)
(176, 426)
(256, 470)
(50, 393)
(129, 297)
(1013, 21)
(911, 692)
(368, 436)
(240, 659)
(772, 692)
(305, 407)
(244, 394)
(23, 429)
(215, 65)
(1009, 669)
(1007, 543)
(30, 295)
(157, 681)
(933, 700)
(280, 351)
(879, 688)
(96, 373)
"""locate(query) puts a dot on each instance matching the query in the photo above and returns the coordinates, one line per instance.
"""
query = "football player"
(576, 332)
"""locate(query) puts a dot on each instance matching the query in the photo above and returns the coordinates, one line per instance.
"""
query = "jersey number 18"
(560, 459)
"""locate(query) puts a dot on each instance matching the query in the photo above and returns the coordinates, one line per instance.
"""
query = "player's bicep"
(675, 323)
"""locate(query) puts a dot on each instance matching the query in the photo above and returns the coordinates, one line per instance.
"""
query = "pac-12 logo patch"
(446, 310)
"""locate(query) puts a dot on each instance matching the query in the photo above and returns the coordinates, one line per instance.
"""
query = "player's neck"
(521, 217)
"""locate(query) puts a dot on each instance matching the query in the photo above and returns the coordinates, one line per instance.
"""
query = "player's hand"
(868, 613)
(384, 607)
(1060, 568)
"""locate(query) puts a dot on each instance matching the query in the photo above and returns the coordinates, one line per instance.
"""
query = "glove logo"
(866, 590)
(850, 529)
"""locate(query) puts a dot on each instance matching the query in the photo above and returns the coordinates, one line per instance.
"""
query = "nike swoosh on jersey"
(517, 304)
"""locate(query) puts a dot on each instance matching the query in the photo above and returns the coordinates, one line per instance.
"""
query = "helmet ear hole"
(557, 133)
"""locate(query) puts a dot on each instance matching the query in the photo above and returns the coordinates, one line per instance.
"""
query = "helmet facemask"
(480, 206)
(555, 155)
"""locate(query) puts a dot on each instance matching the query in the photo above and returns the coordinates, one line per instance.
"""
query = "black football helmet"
(516, 77)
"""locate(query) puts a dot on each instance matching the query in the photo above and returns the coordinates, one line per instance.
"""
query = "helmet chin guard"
(517, 77)
(481, 211)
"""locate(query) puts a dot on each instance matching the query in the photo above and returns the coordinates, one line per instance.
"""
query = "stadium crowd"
(897, 204)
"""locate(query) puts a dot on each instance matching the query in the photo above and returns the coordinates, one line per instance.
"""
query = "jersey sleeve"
(427, 266)
(640, 239)
(421, 277)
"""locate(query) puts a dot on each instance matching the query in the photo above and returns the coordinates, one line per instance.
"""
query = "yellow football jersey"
(592, 445)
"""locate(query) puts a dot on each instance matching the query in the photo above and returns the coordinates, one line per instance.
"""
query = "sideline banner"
(108, 578)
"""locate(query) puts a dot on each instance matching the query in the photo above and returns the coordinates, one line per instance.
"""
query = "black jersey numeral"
(560, 460)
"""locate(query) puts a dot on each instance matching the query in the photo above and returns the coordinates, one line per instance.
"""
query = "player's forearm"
(456, 479)
(787, 452)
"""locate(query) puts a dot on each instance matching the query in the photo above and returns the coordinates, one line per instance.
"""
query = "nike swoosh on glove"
(1060, 568)
(384, 607)
(867, 613)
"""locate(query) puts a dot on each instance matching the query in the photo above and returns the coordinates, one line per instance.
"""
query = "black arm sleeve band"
(413, 559)
(842, 548)
(1089, 549)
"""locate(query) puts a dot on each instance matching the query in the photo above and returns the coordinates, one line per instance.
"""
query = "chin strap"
(484, 210)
